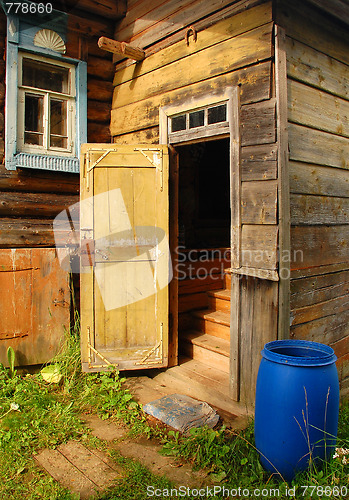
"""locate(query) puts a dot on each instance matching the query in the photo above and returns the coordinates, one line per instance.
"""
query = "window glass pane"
(196, 119)
(178, 123)
(45, 76)
(58, 121)
(34, 119)
(217, 114)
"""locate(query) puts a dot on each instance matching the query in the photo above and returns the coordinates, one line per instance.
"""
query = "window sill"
(46, 162)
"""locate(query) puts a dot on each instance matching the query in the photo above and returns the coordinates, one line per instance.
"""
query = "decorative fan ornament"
(49, 39)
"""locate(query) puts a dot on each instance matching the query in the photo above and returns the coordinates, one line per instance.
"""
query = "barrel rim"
(326, 353)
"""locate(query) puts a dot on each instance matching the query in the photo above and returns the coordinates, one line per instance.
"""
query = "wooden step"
(219, 300)
(227, 280)
(195, 379)
(212, 351)
(216, 323)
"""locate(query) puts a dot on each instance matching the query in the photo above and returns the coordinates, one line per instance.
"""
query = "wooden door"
(125, 259)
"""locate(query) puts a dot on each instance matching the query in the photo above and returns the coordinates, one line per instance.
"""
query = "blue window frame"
(43, 44)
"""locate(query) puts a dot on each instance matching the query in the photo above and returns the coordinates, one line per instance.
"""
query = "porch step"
(227, 280)
(219, 300)
(213, 351)
(195, 379)
(216, 323)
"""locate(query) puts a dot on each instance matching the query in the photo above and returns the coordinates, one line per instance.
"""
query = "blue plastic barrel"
(297, 404)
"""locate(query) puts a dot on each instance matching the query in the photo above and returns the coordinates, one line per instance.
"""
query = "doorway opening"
(203, 255)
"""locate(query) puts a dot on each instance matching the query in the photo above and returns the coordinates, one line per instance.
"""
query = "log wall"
(318, 110)
(30, 199)
(234, 47)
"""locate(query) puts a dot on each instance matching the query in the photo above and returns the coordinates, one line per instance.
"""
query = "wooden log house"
(228, 130)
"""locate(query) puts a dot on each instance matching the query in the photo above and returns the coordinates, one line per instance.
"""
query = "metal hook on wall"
(191, 31)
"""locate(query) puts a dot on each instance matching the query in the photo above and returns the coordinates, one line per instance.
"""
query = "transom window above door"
(47, 103)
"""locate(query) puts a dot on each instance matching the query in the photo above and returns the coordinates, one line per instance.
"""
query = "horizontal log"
(306, 178)
(110, 9)
(121, 48)
(254, 83)
(15, 233)
(259, 246)
(313, 246)
(316, 69)
(99, 90)
(40, 182)
(258, 123)
(76, 40)
(317, 109)
(192, 301)
(102, 68)
(238, 52)
(319, 270)
(98, 111)
(219, 32)
(90, 25)
(259, 162)
(98, 132)
(34, 204)
(259, 202)
(314, 146)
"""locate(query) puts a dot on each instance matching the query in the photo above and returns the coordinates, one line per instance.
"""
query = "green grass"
(35, 415)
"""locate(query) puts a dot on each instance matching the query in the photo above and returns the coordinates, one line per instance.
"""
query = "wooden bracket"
(121, 48)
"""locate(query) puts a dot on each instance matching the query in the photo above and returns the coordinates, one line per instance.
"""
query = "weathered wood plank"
(310, 290)
(313, 246)
(317, 69)
(258, 123)
(170, 17)
(319, 271)
(104, 8)
(315, 146)
(326, 330)
(90, 25)
(323, 34)
(145, 136)
(259, 162)
(311, 210)
(255, 86)
(219, 32)
(259, 202)
(320, 310)
(226, 56)
(35, 310)
(317, 109)
(259, 301)
(192, 301)
(259, 246)
(306, 178)
(202, 284)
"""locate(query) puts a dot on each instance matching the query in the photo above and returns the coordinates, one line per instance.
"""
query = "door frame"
(230, 96)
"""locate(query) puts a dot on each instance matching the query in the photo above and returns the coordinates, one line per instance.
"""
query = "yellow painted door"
(125, 259)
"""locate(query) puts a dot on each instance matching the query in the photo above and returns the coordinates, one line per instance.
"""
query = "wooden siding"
(30, 199)
(234, 47)
(318, 114)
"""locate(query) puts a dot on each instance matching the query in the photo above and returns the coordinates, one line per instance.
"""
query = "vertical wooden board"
(36, 308)
(130, 213)
(259, 325)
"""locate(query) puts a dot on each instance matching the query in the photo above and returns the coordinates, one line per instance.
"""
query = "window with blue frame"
(46, 97)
